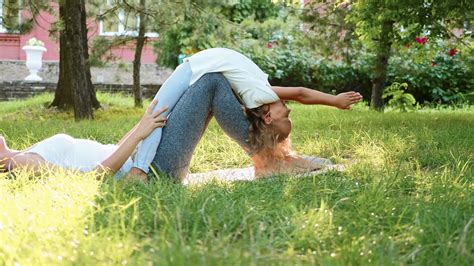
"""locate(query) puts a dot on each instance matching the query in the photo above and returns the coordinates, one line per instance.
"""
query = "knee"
(216, 80)
(216, 77)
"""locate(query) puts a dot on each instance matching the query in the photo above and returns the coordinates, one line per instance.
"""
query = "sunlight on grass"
(314, 222)
(369, 152)
(217, 151)
(406, 196)
(43, 220)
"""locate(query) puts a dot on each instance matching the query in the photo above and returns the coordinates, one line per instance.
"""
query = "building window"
(120, 23)
(10, 11)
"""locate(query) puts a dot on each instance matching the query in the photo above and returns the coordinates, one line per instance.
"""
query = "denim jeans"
(168, 95)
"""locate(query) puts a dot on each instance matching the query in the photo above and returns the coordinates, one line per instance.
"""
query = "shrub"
(445, 80)
(398, 98)
(438, 73)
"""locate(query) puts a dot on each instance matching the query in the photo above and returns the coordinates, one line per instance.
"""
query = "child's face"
(280, 118)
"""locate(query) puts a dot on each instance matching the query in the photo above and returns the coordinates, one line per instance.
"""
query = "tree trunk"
(63, 96)
(74, 87)
(381, 65)
(137, 92)
(76, 61)
(90, 86)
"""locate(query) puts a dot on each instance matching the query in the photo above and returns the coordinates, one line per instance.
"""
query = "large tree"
(74, 88)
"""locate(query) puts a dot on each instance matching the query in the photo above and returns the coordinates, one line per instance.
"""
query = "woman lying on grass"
(195, 93)
(81, 154)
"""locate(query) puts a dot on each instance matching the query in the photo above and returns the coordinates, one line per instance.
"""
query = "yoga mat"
(247, 174)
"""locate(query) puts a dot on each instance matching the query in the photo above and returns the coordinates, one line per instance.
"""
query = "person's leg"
(211, 94)
(229, 114)
(168, 95)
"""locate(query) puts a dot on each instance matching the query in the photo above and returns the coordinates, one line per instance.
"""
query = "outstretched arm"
(127, 145)
(308, 96)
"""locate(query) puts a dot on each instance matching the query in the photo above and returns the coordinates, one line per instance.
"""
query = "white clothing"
(244, 76)
(79, 154)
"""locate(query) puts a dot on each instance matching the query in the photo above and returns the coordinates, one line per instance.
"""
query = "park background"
(405, 197)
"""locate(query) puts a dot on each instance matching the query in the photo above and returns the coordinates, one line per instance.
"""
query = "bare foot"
(345, 100)
(136, 174)
(3, 144)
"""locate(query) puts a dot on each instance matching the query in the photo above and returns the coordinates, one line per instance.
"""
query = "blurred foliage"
(327, 31)
(398, 98)
(120, 18)
(14, 20)
(382, 27)
(207, 24)
(327, 45)
(438, 72)
(334, 49)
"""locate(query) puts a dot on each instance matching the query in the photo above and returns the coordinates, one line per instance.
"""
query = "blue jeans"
(168, 95)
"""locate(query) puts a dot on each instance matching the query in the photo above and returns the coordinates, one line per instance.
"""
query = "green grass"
(407, 196)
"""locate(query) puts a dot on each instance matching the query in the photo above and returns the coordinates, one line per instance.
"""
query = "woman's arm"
(128, 134)
(26, 160)
(127, 145)
(308, 96)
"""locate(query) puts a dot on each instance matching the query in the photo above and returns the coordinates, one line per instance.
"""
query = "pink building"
(11, 43)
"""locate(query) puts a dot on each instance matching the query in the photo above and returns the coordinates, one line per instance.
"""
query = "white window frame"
(121, 27)
(3, 29)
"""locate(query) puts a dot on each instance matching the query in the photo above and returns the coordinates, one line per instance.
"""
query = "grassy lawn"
(407, 196)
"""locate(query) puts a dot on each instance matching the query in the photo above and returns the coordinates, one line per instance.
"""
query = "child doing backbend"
(264, 106)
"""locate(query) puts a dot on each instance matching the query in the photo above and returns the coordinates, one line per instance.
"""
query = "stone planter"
(34, 61)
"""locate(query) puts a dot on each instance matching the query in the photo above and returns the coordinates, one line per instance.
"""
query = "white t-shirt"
(244, 76)
(79, 154)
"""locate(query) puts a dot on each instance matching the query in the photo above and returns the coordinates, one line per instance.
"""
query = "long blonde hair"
(266, 138)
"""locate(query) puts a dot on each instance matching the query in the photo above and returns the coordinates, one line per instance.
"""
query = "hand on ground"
(150, 121)
(345, 100)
